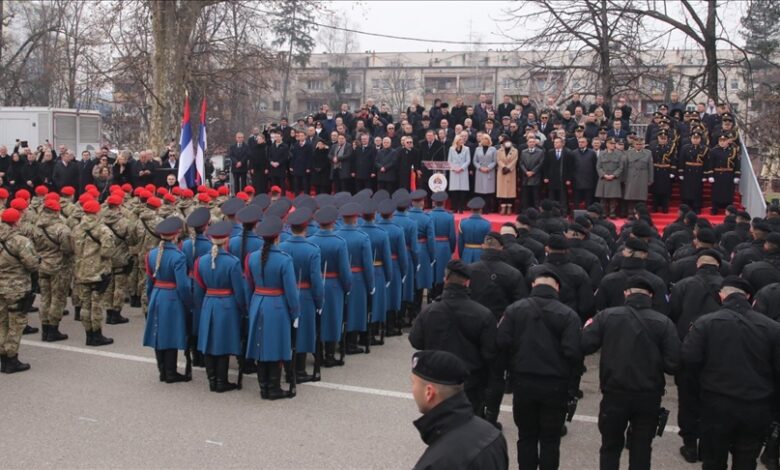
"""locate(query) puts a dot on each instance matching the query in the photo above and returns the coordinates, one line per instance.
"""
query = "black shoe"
(13, 365)
(197, 359)
(690, 453)
(262, 379)
(135, 301)
(223, 385)
(29, 330)
(113, 317)
(300, 369)
(55, 335)
(160, 356)
(77, 315)
(99, 340)
(249, 367)
(275, 391)
(171, 375)
(44, 333)
(352, 346)
(564, 430)
(89, 338)
(3, 363)
(211, 371)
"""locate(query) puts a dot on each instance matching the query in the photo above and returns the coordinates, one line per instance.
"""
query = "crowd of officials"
(281, 282)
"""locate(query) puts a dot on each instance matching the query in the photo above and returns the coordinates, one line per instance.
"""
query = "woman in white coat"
(484, 162)
(459, 159)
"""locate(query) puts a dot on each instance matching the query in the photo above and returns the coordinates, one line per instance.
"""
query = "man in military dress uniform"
(426, 254)
(691, 171)
(724, 164)
(444, 231)
(665, 164)
(472, 231)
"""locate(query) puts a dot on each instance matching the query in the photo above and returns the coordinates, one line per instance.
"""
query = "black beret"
(761, 225)
(635, 244)
(418, 194)
(262, 201)
(544, 271)
(459, 267)
(737, 282)
(744, 215)
(596, 208)
(691, 218)
(584, 221)
(706, 235)
(440, 196)
(712, 254)
(380, 195)
(326, 215)
(703, 223)
(558, 242)
(476, 203)
(495, 236)
(575, 227)
(249, 214)
(773, 238)
(523, 219)
(641, 230)
(279, 208)
(638, 282)
(439, 367)
(169, 226)
(301, 216)
(269, 227)
(220, 230)
(547, 205)
(386, 207)
(368, 207)
(232, 206)
(324, 199)
(200, 217)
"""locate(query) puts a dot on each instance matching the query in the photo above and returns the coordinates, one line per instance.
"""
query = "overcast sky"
(451, 20)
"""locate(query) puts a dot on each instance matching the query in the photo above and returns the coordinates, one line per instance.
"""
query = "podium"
(437, 181)
(436, 166)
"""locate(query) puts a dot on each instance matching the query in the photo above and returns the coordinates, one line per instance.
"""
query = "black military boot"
(373, 330)
(262, 379)
(171, 375)
(65, 312)
(3, 362)
(690, 451)
(330, 355)
(352, 346)
(44, 332)
(99, 340)
(222, 375)
(197, 356)
(160, 356)
(392, 324)
(300, 369)
(288, 371)
(275, 391)
(211, 371)
(250, 367)
(89, 338)
(135, 301)
(77, 315)
(55, 335)
(110, 317)
(13, 365)
(114, 317)
(29, 330)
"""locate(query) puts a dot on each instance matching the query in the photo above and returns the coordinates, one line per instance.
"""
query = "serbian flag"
(187, 170)
(413, 180)
(200, 154)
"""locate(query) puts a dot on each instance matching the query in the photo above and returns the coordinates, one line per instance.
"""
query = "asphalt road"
(84, 407)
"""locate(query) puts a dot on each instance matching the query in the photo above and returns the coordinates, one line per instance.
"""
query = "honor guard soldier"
(247, 241)
(446, 241)
(273, 310)
(307, 263)
(361, 265)
(93, 246)
(475, 341)
(638, 346)
(144, 240)
(53, 243)
(542, 337)
(170, 297)
(400, 260)
(219, 293)
(18, 260)
(472, 231)
(665, 165)
(229, 210)
(735, 352)
(426, 244)
(456, 438)
(121, 264)
(383, 271)
(193, 248)
(724, 162)
(338, 280)
(692, 171)
(409, 226)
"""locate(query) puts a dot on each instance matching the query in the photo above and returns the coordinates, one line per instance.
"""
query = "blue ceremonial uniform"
(220, 293)
(427, 248)
(400, 261)
(170, 296)
(237, 229)
(201, 245)
(444, 232)
(253, 243)
(312, 229)
(338, 280)
(273, 306)
(306, 263)
(383, 269)
(409, 227)
(362, 268)
(470, 237)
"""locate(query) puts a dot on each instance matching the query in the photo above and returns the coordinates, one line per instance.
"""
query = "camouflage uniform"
(18, 261)
(121, 264)
(133, 208)
(73, 215)
(53, 243)
(145, 239)
(185, 206)
(93, 245)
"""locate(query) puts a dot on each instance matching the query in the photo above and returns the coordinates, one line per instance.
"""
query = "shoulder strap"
(92, 236)
(43, 229)
(151, 232)
(114, 232)
(5, 247)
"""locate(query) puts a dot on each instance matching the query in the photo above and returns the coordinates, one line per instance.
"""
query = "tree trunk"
(605, 75)
(283, 107)
(711, 52)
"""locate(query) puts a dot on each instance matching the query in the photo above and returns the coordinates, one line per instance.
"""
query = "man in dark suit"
(365, 154)
(86, 165)
(505, 108)
(341, 164)
(278, 157)
(169, 166)
(239, 155)
(408, 157)
(430, 150)
(557, 172)
(144, 169)
(65, 173)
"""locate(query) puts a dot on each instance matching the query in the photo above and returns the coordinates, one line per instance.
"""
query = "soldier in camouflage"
(93, 245)
(144, 239)
(121, 263)
(18, 261)
(135, 206)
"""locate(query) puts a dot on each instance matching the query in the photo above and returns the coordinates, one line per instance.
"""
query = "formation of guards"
(283, 284)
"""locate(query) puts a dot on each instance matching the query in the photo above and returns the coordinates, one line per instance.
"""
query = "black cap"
(232, 206)
(476, 203)
(459, 267)
(220, 230)
(439, 367)
(544, 271)
(269, 227)
(380, 195)
(636, 244)
(712, 254)
(170, 226)
(761, 225)
(706, 235)
(262, 201)
(200, 217)
(557, 242)
(418, 195)
(350, 209)
(737, 282)
(279, 208)
(326, 215)
(439, 196)
(638, 282)
(575, 227)
(324, 199)
(773, 238)
(596, 208)
(641, 230)
(663, 132)
(386, 207)
(300, 216)
(249, 214)
(495, 236)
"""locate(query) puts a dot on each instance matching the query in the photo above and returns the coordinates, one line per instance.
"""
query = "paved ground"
(103, 407)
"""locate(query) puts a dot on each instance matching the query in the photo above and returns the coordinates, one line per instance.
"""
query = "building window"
(357, 64)
(277, 106)
(312, 106)
(277, 84)
(507, 84)
(314, 84)
(734, 84)
(376, 83)
(324, 65)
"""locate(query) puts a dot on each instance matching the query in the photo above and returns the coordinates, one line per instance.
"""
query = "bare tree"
(397, 83)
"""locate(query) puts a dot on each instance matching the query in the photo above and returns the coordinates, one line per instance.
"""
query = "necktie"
(558, 155)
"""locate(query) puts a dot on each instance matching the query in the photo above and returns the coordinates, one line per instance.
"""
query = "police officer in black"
(524, 237)
(767, 301)
(582, 256)
(542, 336)
(457, 324)
(517, 255)
(612, 286)
(638, 346)
(736, 353)
(752, 250)
(767, 270)
(685, 266)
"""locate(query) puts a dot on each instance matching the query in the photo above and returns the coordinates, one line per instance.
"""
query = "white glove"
(295, 323)
(681, 177)
(703, 180)
(671, 176)
(418, 267)
(736, 180)
(387, 285)
(711, 180)
(373, 291)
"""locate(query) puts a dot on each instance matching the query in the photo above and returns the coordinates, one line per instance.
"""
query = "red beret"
(213, 193)
(242, 195)
(24, 194)
(11, 216)
(137, 191)
(149, 187)
(19, 204)
(176, 191)
(4, 193)
(249, 189)
(52, 197)
(114, 187)
(276, 189)
(145, 195)
(68, 191)
(84, 198)
(153, 202)
(91, 207)
(162, 191)
(170, 198)
(114, 200)
(203, 189)
(89, 187)
(187, 194)
(94, 192)
(52, 205)
(203, 197)
(127, 187)
(41, 190)
(223, 191)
